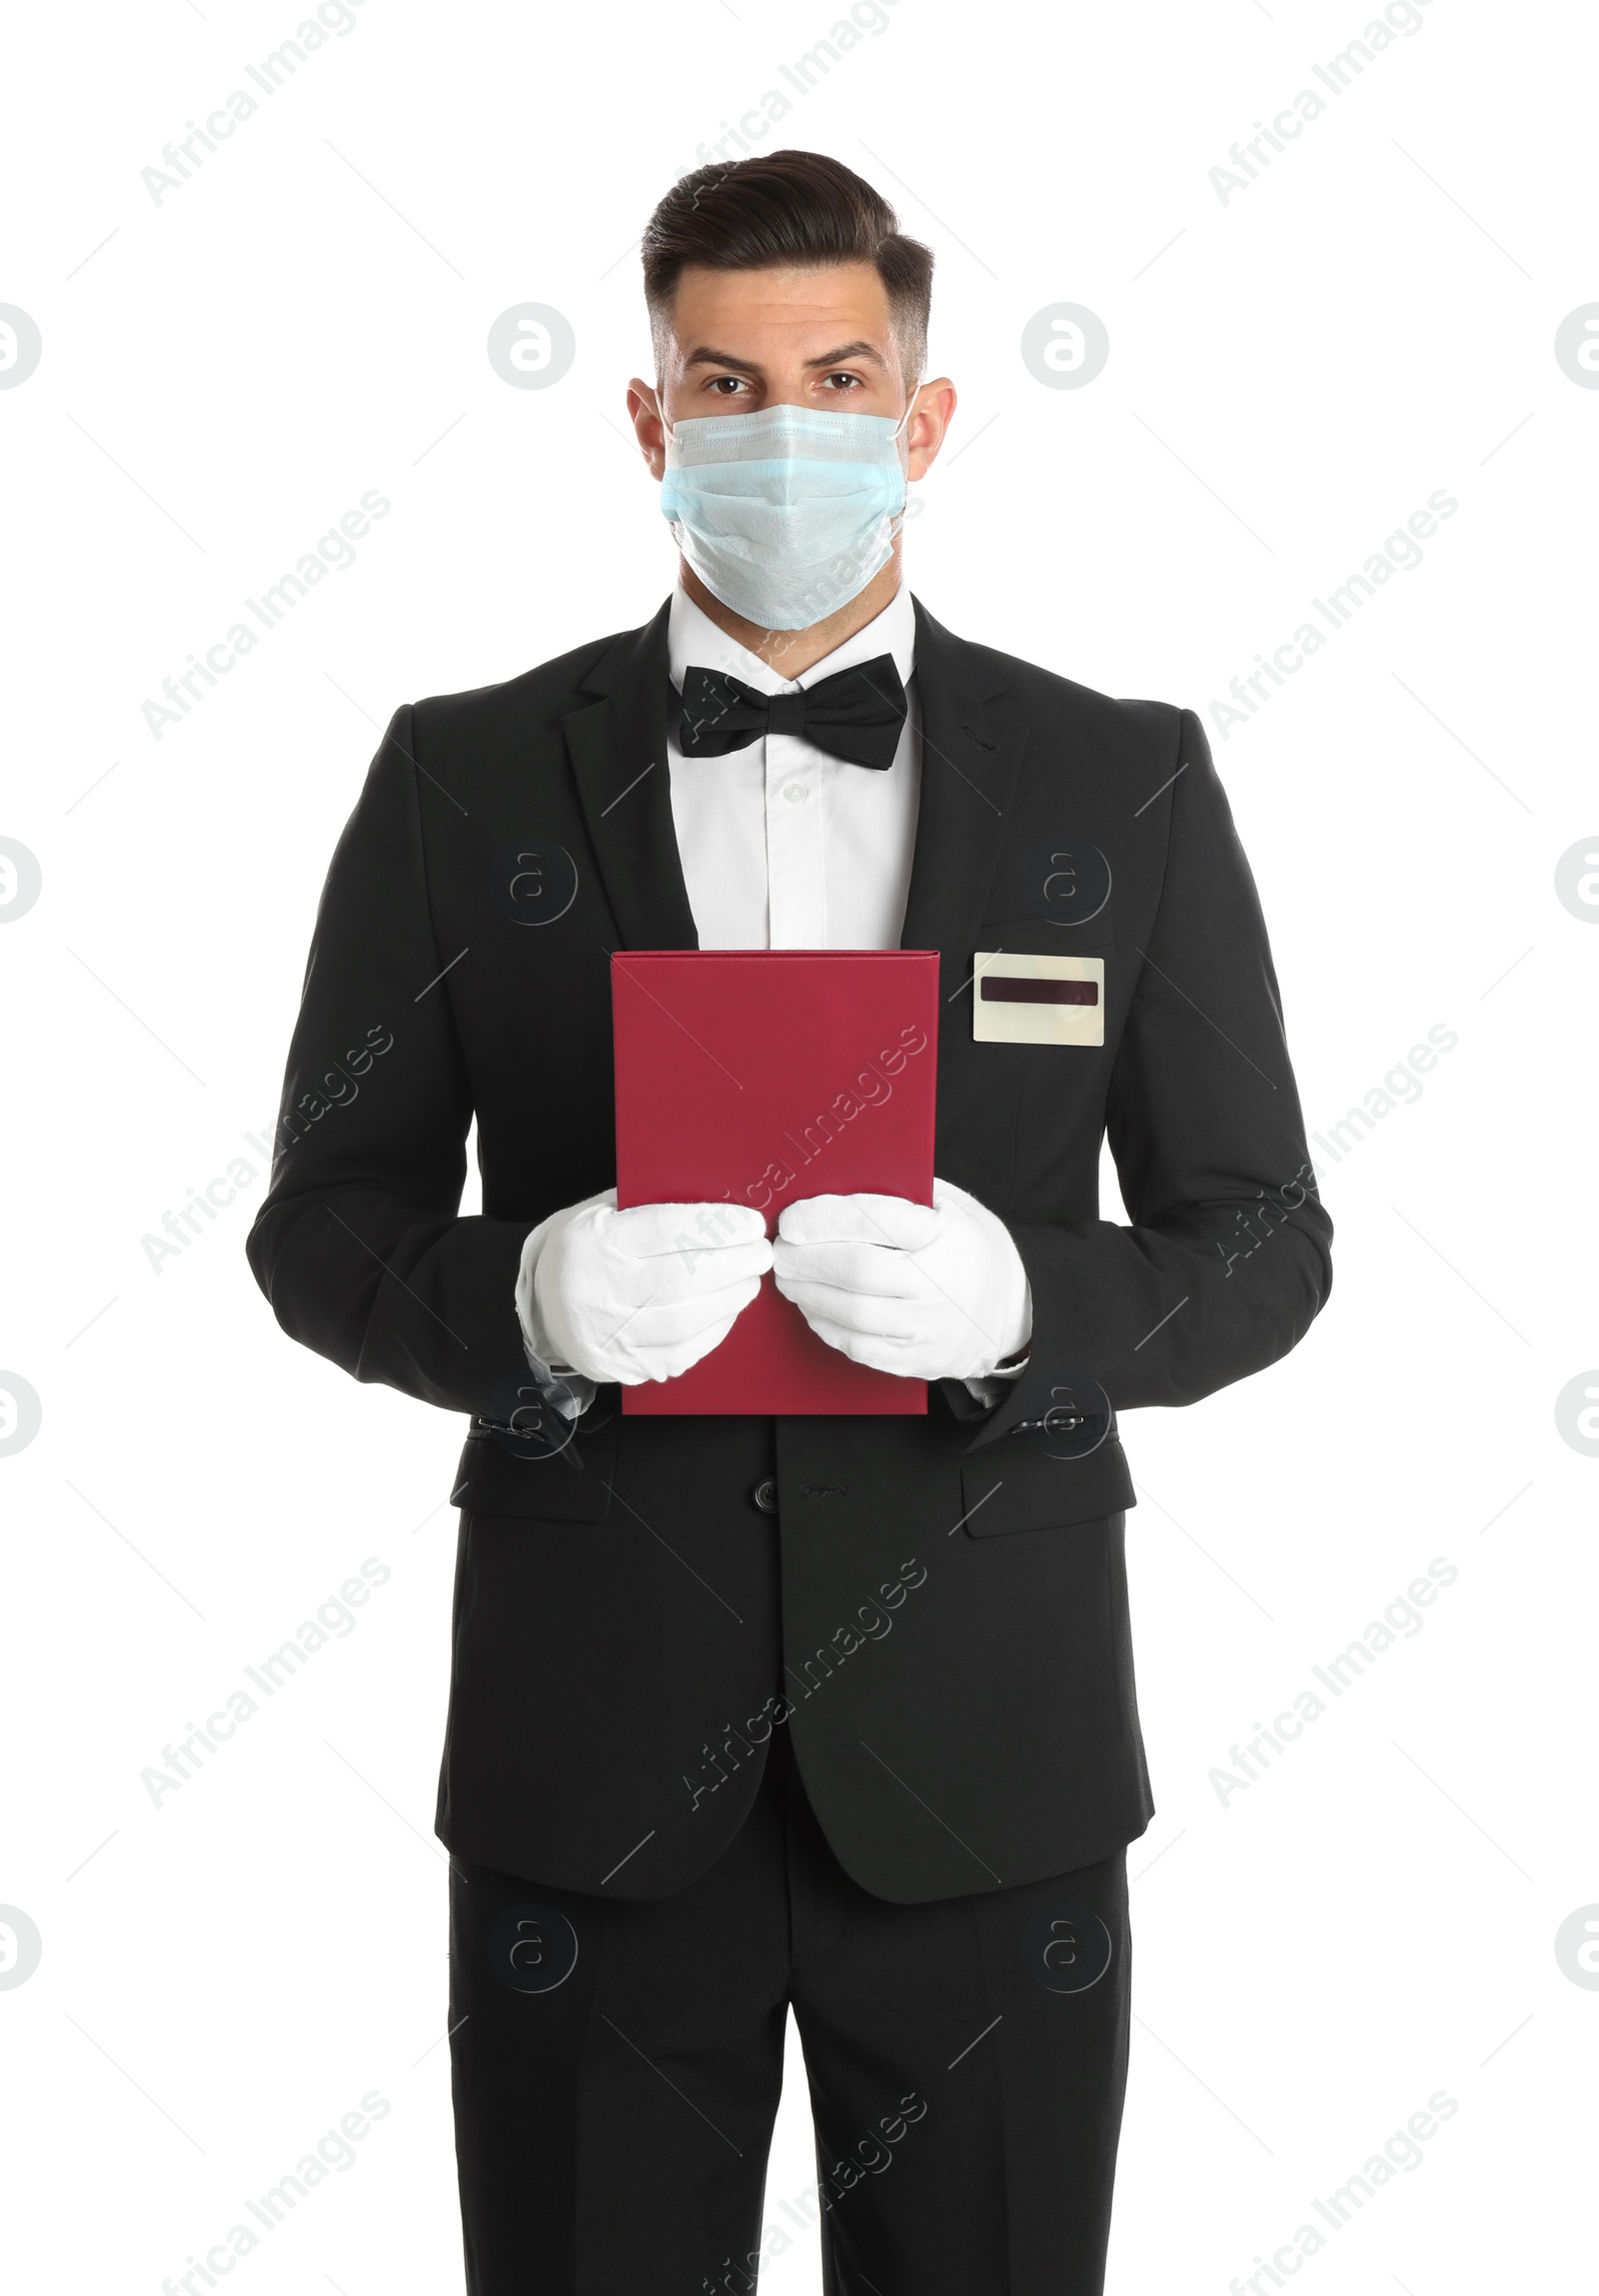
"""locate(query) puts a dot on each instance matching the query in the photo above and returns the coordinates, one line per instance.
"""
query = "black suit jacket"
(942, 1603)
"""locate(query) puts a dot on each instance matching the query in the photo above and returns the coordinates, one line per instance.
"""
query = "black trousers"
(617, 2070)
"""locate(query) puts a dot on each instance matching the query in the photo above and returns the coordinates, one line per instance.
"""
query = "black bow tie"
(856, 714)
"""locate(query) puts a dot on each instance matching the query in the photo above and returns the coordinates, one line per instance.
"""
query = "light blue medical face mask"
(786, 514)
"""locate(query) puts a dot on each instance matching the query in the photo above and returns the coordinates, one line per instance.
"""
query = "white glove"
(637, 1294)
(931, 1292)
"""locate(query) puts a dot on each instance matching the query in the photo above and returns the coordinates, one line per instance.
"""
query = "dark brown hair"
(787, 208)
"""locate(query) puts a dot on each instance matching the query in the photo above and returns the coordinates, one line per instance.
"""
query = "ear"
(644, 412)
(924, 433)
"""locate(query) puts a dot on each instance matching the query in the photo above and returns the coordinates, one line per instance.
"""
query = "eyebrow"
(705, 356)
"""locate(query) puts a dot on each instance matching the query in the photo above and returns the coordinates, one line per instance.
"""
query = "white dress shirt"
(784, 846)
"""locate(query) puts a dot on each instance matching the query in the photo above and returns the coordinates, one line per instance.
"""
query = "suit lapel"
(971, 752)
(618, 746)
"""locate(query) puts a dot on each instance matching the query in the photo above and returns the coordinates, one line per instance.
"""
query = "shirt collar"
(692, 640)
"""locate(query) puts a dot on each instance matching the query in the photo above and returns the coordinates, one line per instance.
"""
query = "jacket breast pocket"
(1030, 1490)
(1044, 936)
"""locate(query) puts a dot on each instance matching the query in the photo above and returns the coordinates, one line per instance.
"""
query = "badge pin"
(1018, 1000)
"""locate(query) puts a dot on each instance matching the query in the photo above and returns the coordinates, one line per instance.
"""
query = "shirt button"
(765, 1496)
(796, 793)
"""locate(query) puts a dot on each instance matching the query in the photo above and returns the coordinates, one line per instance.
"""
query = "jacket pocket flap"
(501, 1475)
(1004, 1490)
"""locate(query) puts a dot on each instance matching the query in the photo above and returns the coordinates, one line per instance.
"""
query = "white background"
(1292, 371)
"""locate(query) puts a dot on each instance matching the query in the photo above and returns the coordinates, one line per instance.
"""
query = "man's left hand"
(929, 1291)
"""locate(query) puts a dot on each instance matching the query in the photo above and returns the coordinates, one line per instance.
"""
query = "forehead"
(787, 311)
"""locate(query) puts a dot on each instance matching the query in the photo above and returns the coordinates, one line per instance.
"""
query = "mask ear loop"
(897, 526)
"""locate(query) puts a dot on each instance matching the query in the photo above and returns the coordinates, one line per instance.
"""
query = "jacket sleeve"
(1227, 1261)
(358, 1245)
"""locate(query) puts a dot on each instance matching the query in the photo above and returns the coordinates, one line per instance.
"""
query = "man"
(831, 1713)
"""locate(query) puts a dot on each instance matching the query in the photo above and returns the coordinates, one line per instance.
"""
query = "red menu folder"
(758, 1076)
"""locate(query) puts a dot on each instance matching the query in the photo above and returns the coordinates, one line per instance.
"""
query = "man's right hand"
(645, 1293)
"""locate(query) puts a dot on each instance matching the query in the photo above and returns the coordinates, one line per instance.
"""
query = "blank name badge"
(1038, 1000)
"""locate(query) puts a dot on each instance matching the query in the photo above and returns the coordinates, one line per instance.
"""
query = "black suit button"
(765, 1496)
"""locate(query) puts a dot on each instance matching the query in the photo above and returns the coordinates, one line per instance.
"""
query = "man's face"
(740, 341)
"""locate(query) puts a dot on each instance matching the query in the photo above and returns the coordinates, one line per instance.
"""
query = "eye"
(848, 381)
(727, 386)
